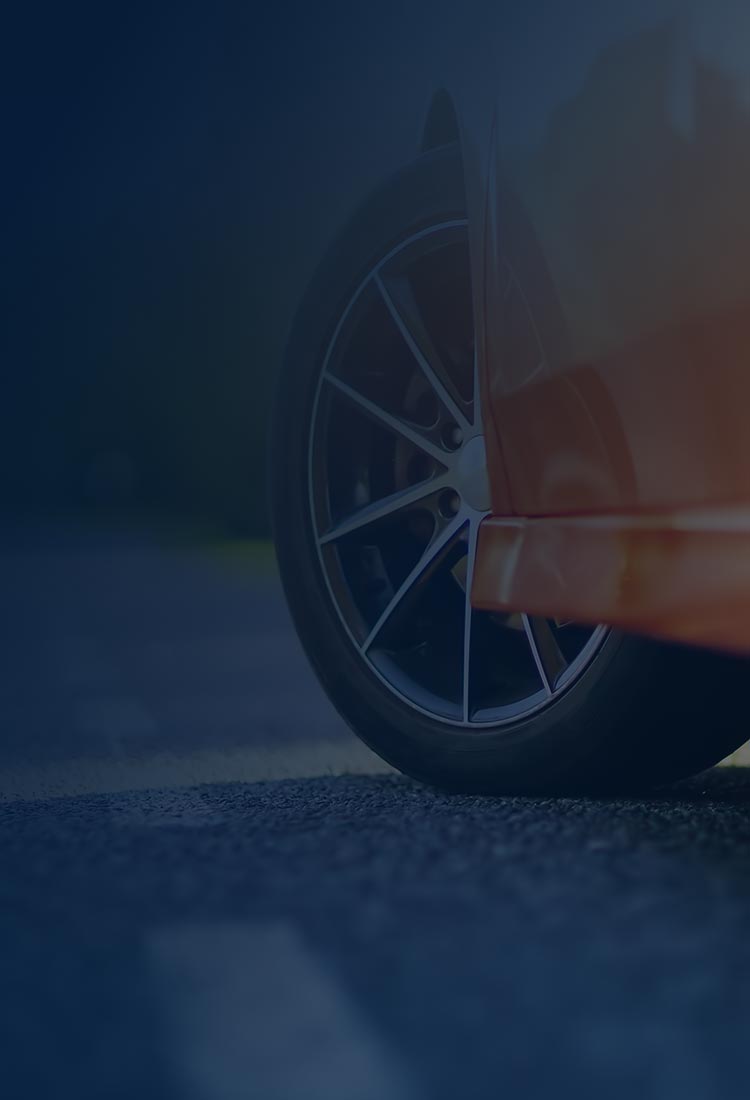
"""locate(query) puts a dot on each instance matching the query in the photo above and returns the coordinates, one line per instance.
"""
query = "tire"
(633, 713)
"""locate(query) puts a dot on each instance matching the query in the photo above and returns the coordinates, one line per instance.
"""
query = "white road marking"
(740, 758)
(250, 1013)
(150, 772)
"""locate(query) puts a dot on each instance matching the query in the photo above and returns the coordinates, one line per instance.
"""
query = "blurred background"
(172, 175)
(138, 263)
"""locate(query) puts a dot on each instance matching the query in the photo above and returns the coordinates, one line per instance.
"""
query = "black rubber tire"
(642, 713)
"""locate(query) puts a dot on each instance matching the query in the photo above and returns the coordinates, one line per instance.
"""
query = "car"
(510, 466)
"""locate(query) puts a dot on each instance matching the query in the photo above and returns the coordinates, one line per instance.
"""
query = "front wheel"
(379, 484)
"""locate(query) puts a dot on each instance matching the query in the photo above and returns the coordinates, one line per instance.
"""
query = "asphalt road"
(199, 902)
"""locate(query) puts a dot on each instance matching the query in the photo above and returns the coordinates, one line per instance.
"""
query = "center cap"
(471, 475)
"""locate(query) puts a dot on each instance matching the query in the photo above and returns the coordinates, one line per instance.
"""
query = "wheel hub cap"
(471, 475)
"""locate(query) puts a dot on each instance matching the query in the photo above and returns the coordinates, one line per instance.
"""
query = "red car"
(511, 461)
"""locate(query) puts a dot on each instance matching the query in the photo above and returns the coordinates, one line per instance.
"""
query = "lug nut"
(449, 503)
(452, 436)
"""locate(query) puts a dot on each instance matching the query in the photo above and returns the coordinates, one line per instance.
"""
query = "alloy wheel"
(398, 487)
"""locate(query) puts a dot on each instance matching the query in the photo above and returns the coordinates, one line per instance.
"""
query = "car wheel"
(378, 488)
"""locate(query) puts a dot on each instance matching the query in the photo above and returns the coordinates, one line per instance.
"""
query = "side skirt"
(682, 575)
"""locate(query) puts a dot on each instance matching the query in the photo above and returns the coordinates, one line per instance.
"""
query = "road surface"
(211, 892)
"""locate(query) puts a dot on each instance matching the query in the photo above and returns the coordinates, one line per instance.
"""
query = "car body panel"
(613, 290)
(614, 281)
(606, 151)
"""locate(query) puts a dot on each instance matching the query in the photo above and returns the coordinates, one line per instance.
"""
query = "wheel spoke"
(471, 551)
(380, 415)
(417, 575)
(547, 655)
(406, 317)
(387, 506)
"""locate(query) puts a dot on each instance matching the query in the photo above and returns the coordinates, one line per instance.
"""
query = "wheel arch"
(441, 124)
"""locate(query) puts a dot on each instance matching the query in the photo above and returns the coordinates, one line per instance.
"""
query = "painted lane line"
(249, 1012)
